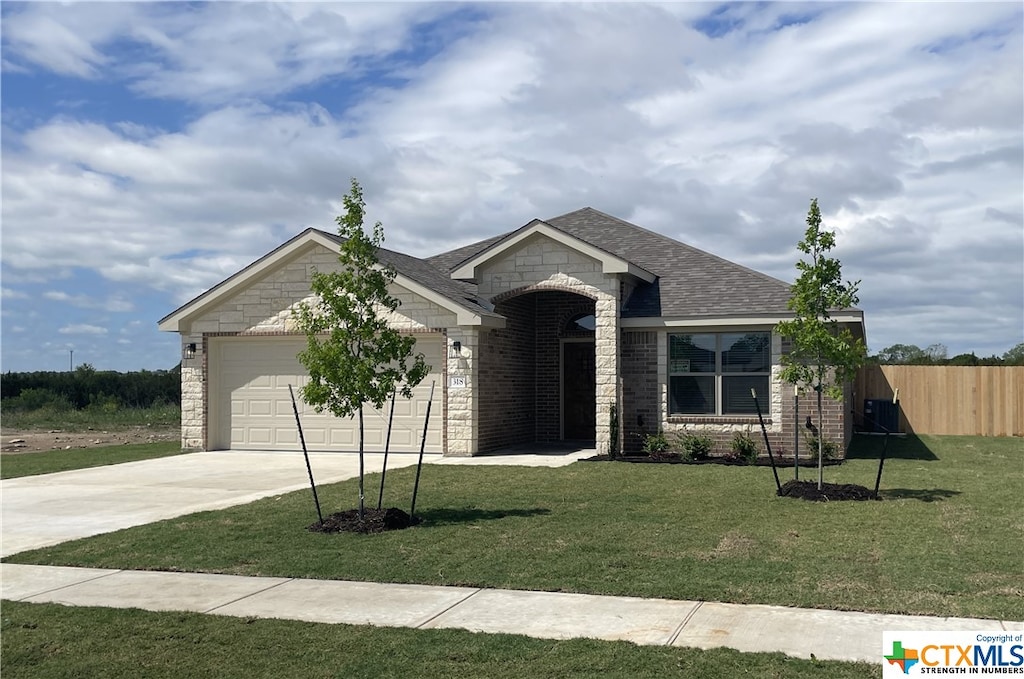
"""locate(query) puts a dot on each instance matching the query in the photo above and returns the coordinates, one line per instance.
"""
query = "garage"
(250, 407)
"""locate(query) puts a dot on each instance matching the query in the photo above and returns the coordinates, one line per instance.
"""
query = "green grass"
(948, 539)
(30, 464)
(97, 418)
(47, 640)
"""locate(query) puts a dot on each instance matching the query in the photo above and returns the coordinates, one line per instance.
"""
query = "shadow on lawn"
(440, 517)
(909, 447)
(922, 494)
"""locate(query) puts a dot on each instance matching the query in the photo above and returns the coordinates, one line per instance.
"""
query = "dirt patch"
(732, 544)
(374, 521)
(15, 442)
(830, 492)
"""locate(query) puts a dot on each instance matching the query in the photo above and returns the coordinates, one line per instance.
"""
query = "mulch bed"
(374, 521)
(830, 492)
(734, 462)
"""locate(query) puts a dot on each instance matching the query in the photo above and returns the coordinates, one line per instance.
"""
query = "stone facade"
(267, 307)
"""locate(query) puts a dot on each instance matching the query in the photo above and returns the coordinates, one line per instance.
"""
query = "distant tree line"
(936, 354)
(87, 387)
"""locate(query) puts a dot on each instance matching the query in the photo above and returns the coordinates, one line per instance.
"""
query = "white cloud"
(215, 52)
(115, 304)
(905, 120)
(10, 293)
(65, 38)
(82, 329)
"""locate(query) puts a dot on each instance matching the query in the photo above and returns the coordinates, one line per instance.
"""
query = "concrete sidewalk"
(829, 635)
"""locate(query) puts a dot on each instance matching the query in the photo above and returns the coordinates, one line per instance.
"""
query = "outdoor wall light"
(456, 349)
(189, 350)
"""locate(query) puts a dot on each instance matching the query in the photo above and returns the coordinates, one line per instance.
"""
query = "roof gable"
(410, 273)
(610, 262)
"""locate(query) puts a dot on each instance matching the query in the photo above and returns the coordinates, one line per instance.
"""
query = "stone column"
(193, 395)
(463, 428)
(606, 349)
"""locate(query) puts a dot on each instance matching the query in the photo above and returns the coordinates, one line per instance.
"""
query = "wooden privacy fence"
(943, 399)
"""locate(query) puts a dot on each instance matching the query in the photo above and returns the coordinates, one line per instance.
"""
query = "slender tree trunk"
(361, 495)
(821, 442)
(796, 433)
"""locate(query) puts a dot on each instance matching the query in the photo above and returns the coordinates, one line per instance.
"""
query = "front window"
(713, 373)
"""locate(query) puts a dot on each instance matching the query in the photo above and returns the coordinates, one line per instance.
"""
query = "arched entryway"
(538, 373)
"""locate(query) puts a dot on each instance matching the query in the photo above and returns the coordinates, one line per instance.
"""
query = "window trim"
(717, 375)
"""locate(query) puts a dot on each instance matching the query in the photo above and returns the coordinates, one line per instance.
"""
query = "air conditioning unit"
(881, 415)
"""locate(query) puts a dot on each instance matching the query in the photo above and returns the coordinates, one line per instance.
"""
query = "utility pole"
(71, 361)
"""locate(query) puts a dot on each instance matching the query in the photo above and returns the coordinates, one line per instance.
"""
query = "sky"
(150, 150)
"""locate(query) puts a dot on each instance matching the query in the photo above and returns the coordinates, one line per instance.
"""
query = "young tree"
(824, 355)
(352, 356)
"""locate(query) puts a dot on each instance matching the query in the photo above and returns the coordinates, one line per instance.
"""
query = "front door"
(579, 391)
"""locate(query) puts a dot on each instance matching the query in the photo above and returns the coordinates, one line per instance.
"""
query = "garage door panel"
(344, 438)
(259, 436)
(287, 438)
(259, 408)
(251, 406)
(316, 437)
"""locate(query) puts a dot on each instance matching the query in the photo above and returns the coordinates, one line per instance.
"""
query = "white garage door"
(250, 408)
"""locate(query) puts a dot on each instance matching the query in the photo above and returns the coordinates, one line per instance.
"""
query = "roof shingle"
(691, 283)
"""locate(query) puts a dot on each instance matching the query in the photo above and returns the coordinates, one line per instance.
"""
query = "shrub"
(696, 446)
(613, 416)
(655, 444)
(830, 448)
(743, 447)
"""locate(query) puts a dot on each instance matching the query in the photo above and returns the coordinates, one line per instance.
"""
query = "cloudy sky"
(151, 149)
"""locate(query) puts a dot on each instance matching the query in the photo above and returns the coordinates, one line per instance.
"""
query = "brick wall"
(781, 428)
(645, 365)
(554, 310)
(639, 413)
(506, 376)
(520, 368)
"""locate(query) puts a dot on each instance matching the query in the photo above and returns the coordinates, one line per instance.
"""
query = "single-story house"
(532, 336)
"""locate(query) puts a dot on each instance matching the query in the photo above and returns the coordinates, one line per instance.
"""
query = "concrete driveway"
(38, 511)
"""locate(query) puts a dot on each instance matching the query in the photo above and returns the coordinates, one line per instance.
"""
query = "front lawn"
(947, 540)
(47, 640)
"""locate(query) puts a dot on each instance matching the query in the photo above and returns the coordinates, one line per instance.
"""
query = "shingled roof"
(691, 283)
(429, 276)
